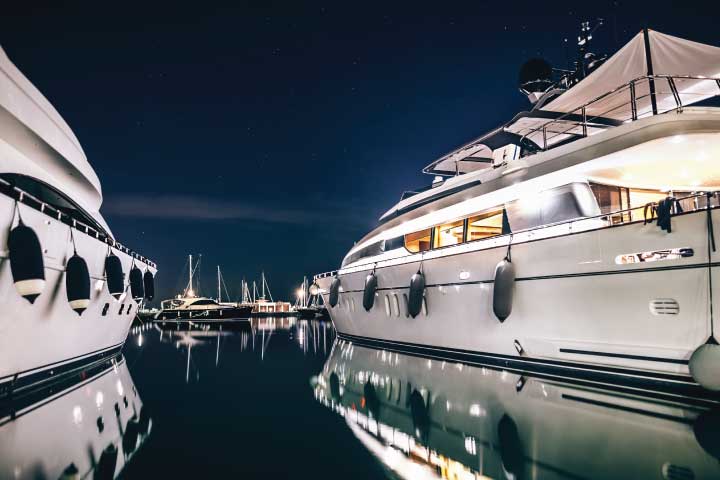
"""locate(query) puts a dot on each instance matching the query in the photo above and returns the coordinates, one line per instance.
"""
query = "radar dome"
(535, 76)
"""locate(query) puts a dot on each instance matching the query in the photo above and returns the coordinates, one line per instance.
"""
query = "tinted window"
(47, 194)
(203, 302)
(369, 251)
(561, 204)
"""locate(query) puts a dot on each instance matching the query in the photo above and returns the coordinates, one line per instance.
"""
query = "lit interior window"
(418, 241)
(488, 224)
(449, 234)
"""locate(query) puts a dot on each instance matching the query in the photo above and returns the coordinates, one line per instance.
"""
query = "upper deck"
(36, 141)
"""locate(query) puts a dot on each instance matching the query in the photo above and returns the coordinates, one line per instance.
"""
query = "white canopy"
(606, 93)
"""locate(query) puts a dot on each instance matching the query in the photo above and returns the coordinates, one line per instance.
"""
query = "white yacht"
(426, 418)
(579, 236)
(189, 307)
(68, 290)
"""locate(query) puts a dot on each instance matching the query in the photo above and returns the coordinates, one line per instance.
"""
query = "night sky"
(272, 135)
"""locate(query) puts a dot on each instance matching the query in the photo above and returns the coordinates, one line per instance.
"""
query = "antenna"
(586, 61)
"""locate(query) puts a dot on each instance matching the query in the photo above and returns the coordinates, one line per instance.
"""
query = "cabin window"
(640, 198)
(557, 205)
(418, 241)
(488, 224)
(203, 302)
(49, 195)
(369, 251)
(611, 199)
(449, 234)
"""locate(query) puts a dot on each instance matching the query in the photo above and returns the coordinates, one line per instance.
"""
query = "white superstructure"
(572, 194)
(46, 180)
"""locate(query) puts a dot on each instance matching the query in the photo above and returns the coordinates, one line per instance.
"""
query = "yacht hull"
(40, 340)
(205, 315)
(575, 308)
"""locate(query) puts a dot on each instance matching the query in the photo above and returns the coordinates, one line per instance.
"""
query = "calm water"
(282, 398)
(240, 403)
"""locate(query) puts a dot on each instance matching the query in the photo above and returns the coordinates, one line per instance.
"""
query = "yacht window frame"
(82, 217)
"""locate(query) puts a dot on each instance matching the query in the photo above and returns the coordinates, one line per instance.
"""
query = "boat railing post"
(676, 95)
(544, 132)
(584, 122)
(633, 101)
(650, 71)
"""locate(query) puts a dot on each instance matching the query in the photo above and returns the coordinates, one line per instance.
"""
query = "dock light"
(314, 289)
(300, 293)
(191, 293)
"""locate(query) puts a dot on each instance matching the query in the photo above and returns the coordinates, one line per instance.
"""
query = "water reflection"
(314, 337)
(425, 418)
(88, 425)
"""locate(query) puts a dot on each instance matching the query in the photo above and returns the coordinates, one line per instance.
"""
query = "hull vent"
(676, 472)
(664, 306)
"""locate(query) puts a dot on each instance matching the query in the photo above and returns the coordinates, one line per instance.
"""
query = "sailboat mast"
(263, 284)
(190, 275)
(218, 275)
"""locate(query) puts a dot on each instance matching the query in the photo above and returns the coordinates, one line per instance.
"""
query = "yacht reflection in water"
(87, 425)
(314, 337)
(426, 418)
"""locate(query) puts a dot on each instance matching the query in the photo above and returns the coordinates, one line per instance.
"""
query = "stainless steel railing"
(28, 199)
(635, 100)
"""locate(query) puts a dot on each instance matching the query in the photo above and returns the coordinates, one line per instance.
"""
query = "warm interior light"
(675, 163)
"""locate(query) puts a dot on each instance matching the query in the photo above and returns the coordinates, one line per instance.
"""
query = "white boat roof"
(33, 127)
(669, 56)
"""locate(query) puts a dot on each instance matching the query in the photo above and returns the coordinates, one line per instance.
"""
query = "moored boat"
(68, 289)
(578, 236)
(190, 307)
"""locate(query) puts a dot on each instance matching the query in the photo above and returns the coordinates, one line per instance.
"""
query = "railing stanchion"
(545, 137)
(676, 95)
(633, 101)
(584, 122)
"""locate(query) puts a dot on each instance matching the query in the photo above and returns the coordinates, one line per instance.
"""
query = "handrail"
(22, 196)
(632, 103)
(699, 194)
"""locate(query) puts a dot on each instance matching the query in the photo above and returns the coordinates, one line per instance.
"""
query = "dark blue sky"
(273, 134)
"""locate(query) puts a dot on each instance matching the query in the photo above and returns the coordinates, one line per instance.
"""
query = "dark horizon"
(271, 137)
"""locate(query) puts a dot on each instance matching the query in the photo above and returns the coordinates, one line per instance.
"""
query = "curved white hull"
(573, 304)
(47, 334)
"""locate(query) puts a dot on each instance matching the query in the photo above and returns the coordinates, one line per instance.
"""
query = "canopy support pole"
(651, 80)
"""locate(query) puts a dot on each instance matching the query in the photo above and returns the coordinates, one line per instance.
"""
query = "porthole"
(387, 305)
(396, 305)
(424, 306)
(105, 309)
(129, 309)
(122, 307)
(405, 304)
